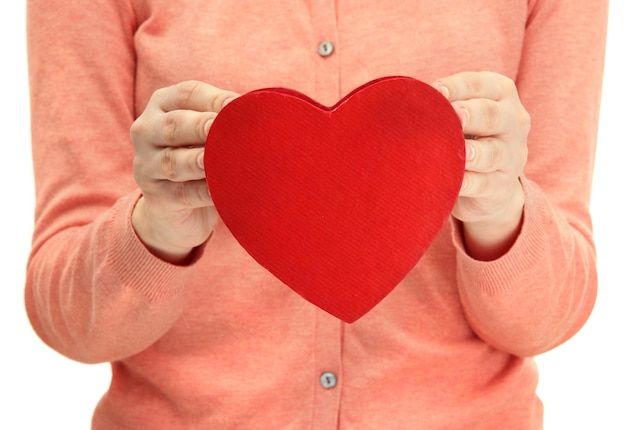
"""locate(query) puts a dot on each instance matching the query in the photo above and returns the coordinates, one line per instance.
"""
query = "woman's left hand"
(496, 126)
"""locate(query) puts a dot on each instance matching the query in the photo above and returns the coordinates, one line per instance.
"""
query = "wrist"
(147, 234)
(490, 239)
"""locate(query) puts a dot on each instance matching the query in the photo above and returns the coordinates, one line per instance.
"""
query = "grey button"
(325, 48)
(328, 380)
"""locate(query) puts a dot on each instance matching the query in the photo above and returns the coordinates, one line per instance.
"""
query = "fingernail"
(464, 184)
(464, 117)
(444, 90)
(200, 160)
(228, 100)
(207, 126)
(470, 152)
(209, 122)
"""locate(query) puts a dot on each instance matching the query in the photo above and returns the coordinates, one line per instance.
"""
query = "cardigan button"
(328, 380)
(325, 48)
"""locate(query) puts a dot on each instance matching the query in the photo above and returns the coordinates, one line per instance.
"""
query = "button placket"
(328, 364)
(326, 38)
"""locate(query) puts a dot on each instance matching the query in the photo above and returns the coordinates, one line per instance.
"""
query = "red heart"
(341, 202)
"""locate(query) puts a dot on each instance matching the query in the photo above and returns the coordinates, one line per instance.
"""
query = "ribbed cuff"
(519, 264)
(134, 264)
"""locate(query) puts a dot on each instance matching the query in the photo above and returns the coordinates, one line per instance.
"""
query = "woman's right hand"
(175, 212)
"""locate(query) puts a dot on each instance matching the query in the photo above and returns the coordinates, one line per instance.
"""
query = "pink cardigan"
(221, 343)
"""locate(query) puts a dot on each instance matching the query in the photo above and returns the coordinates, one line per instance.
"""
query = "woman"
(131, 264)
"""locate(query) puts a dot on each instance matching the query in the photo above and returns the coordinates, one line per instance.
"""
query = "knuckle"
(171, 128)
(201, 191)
(168, 164)
(495, 156)
(474, 82)
(524, 120)
(508, 83)
(180, 194)
(157, 97)
(137, 129)
(159, 93)
(491, 116)
(186, 91)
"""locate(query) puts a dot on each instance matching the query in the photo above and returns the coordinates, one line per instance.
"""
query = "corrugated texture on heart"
(338, 202)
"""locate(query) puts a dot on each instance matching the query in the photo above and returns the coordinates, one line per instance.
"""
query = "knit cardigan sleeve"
(93, 292)
(543, 290)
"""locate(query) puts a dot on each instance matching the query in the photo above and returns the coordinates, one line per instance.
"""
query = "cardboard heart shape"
(340, 202)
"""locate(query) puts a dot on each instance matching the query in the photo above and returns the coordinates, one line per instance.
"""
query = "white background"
(582, 383)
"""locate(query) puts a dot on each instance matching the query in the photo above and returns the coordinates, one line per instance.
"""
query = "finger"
(486, 155)
(177, 128)
(479, 185)
(178, 165)
(181, 128)
(173, 196)
(469, 85)
(482, 117)
(194, 95)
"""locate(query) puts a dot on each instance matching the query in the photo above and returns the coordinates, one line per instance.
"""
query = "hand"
(496, 127)
(175, 213)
